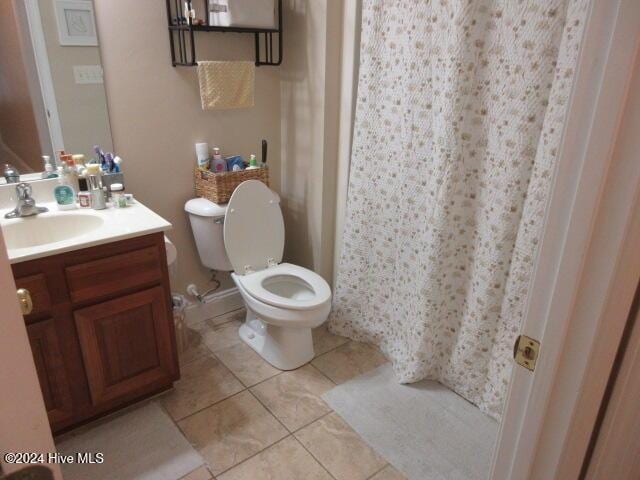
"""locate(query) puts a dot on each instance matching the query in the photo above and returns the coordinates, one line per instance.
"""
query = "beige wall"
(156, 115)
(24, 426)
(156, 119)
(82, 108)
(18, 128)
(310, 102)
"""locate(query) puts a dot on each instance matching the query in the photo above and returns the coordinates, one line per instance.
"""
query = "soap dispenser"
(64, 193)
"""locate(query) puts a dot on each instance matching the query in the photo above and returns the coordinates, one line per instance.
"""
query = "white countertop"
(117, 224)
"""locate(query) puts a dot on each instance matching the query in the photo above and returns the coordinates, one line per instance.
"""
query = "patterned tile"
(218, 337)
(286, 460)
(349, 361)
(294, 396)
(246, 364)
(203, 382)
(231, 431)
(340, 449)
(323, 340)
(199, 474)
(194, 346)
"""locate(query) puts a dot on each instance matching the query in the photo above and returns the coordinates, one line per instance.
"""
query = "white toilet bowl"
(283, 304)
(284, 301)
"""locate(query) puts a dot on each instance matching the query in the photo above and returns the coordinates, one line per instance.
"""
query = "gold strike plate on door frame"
(525, 352)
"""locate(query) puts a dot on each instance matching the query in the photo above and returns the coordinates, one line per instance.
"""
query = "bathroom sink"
(42, 230)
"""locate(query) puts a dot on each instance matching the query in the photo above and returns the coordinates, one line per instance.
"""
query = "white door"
(24, 426)
(618, 442)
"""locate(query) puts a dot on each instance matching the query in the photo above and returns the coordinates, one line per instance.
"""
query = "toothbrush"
(100, 155)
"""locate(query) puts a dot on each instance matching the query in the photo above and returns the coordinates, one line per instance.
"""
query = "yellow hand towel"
(226, 84)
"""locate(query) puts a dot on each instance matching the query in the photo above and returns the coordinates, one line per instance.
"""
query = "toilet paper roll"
(172, 252)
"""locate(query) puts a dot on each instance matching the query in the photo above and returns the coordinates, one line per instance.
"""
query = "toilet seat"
(253, 228)
(287, 286)
(284, 302)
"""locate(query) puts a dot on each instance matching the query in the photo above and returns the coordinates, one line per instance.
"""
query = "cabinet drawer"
(106, 276)
(39, 291)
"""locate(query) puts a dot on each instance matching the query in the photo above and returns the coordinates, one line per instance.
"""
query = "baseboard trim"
(216, 304)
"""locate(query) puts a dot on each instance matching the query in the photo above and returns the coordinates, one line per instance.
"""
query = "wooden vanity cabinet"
(101, 329)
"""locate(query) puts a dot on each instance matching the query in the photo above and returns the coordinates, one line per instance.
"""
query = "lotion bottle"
(218, 164)
(64, 193)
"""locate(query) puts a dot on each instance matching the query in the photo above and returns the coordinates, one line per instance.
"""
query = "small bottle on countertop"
(64, 193)
(118, 197)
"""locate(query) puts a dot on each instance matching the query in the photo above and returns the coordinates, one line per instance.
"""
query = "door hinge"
(525, 352)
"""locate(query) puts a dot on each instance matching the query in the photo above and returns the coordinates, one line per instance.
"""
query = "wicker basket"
(218, 187)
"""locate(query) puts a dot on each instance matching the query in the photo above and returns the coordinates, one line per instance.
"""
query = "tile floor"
(251, 421)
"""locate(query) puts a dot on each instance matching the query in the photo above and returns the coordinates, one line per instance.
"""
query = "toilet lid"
(253, 227)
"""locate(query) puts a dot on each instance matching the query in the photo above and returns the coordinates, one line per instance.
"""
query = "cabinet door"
(127, 345)
(47, 355)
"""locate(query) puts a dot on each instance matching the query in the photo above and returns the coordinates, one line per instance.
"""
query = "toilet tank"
(207, 224)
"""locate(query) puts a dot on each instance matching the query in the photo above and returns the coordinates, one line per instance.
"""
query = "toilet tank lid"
(205, 208)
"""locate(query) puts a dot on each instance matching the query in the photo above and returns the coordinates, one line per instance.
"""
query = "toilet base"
(286, 348)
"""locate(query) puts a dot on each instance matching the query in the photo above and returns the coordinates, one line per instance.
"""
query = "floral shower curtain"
(460, 110)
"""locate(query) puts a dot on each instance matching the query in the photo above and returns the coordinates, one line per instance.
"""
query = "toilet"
(283, 301)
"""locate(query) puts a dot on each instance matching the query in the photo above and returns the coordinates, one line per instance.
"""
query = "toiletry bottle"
(49, 168)
(64, 193)
(218, 164)
(253, 163)
(58, 158)
(202, 154)
(70, 172)
(118, 197)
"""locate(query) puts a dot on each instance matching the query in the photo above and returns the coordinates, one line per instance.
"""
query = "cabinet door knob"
(26, 304)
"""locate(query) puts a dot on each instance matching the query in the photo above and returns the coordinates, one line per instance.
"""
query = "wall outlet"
(87, 74)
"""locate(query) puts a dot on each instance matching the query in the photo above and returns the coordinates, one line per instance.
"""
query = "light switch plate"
(87, 74)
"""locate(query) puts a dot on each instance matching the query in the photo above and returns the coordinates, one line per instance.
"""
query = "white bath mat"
(143, 445)
(424, 429)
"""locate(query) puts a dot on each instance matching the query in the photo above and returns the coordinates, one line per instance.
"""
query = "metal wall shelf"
(183, 39)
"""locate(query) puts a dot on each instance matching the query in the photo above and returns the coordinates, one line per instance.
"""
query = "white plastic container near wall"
(243, 13)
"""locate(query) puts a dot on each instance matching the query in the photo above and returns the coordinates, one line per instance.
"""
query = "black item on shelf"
(182, 36)
(264, 153)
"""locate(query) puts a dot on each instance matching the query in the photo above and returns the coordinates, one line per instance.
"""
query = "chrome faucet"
(26, 206)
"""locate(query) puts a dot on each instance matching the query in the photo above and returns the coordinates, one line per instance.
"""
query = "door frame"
(43, 68)
(565, 265)
(596, 105)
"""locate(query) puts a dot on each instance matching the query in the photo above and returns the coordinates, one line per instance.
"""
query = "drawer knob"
(26, 304)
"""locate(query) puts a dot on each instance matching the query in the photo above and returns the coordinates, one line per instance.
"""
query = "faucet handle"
(24, 191)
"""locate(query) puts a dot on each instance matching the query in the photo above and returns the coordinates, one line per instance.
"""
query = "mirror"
(52, 95)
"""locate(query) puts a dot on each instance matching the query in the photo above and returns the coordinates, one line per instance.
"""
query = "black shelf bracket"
(182, 36)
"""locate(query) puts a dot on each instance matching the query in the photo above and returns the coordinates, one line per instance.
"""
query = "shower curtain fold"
(459, 117)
